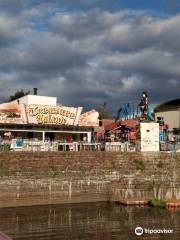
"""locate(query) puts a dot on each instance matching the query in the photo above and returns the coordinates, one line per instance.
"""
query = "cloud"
(9, 30)
(88, 56)
(12, 7)
(148, 62)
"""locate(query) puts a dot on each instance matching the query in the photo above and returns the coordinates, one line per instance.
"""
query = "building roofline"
(43, 127)
(170, 105)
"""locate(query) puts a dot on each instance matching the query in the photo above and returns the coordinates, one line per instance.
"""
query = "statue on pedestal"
(144, 107)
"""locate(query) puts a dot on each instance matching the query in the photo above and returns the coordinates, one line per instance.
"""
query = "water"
(87, 221)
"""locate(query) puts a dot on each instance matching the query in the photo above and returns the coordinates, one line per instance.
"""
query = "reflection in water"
(87, 221)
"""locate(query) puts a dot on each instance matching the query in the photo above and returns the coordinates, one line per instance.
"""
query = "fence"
(37, 146)
(119, 147)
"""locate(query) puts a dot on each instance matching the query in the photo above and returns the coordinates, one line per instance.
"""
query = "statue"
(144, 106)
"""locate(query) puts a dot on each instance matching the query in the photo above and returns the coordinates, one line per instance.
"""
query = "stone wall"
(28, 178)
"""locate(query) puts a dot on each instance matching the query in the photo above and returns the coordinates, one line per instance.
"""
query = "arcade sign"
(59, 115)
(13, 112)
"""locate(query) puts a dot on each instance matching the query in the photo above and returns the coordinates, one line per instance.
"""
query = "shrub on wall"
(156, 202)
(139, 165)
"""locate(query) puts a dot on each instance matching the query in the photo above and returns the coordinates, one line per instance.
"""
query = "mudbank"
(36, 178)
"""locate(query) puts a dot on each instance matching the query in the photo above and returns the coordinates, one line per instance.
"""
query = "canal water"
(88, 221)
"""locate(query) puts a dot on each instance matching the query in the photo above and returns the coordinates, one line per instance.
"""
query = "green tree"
(18, 94)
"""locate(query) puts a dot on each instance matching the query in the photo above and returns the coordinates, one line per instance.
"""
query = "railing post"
(43, 136)
(89, 137)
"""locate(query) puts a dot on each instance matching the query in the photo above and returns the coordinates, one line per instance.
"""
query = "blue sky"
(156, 6)
(151, 5)
(88, 52)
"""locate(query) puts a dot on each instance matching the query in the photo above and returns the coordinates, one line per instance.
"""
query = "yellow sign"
(14, 112)
(53, 114)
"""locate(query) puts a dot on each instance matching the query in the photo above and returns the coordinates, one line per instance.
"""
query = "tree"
(104, 114)
(18, 94)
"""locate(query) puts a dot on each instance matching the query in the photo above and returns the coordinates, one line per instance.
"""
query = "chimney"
(35, 91)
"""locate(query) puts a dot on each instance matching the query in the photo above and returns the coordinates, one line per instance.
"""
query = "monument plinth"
(149, 137)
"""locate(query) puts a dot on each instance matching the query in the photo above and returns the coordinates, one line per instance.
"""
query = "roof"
(112, 125)
(129, 123)
(43, 127)
(170, 105)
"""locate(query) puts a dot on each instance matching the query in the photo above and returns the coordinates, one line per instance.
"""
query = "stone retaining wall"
(28, 178)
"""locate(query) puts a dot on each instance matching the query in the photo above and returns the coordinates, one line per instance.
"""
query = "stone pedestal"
(149, 137)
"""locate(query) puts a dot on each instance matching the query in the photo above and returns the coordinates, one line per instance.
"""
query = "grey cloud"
(149, 61)
(47, 53)
(124, 30)
(88, 57)
(84, 25)
(9, 30)
(12, 7)
(144, 32)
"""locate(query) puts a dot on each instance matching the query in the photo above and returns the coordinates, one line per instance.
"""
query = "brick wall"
(65, 177)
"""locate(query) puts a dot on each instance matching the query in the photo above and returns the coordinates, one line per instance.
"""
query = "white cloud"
(131, 83)
(96, 54)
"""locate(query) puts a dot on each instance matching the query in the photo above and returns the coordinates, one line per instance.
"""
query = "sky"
(87, 52)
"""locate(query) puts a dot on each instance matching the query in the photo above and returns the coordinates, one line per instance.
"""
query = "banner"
(90, 118)
(13, 112)
(59, 115)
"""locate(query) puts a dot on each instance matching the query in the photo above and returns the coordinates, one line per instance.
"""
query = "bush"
(139, 165)
(156, 202)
